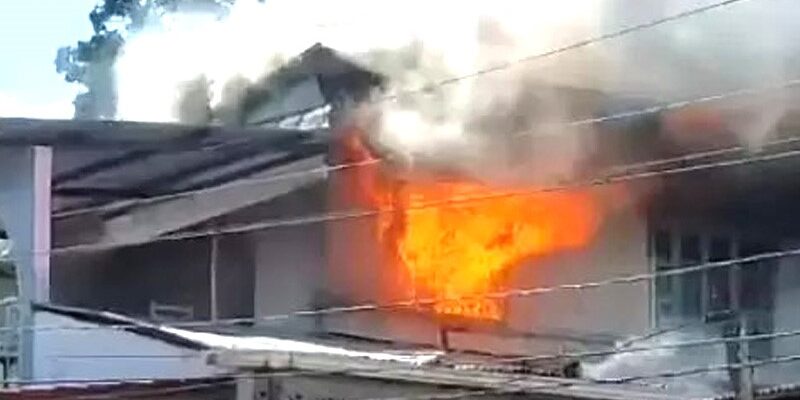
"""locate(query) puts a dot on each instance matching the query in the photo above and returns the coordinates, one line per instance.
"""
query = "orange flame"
(457, 241)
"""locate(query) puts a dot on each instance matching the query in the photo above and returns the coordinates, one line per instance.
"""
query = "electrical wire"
(617, 351)
(414, 303)
(458, 394)
(560, 50)
(666, 346)
(508, 64)
(701, 370)
(504, 389)
(114, 381)
(428, 88)
(585, 354)
(227, 379)
(149, 393)
(346, 215)
(614, 117)
(242, 182)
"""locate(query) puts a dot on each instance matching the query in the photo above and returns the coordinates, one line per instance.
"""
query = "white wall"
(105, 353)
(619, 249)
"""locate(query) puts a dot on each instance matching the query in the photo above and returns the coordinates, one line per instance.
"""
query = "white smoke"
(660, 361)
(416, 43)
(254, 37)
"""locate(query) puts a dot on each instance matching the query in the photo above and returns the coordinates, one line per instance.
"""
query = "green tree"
(91, 62)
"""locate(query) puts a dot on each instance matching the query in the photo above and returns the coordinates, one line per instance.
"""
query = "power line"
(546, 54)
(614, 117)
(227, 379)
(666, 346)
(241, 182)
(411, 303)
(508, 64)
(149, 393)
(346, 215)
(583, 354)
(701, 370)
(148, 379)
(448, 395)
(457, 394)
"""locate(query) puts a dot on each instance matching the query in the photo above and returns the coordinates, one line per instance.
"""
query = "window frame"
(676, 234)
(761, 320)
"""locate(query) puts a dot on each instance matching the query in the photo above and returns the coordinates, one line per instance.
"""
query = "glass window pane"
(663, 249)
(720, 249)
(692, 283)
(690, 250)
(692, 294)
(757, 280)
(719, 296)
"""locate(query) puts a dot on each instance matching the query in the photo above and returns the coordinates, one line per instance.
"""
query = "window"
(691, 283)
(683, 296)
(719, 283)
(756, 291)
(696, 295)
(665, 299)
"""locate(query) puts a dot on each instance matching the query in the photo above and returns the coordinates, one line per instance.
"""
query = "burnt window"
(747, 289)
(757, 295)
(694, 294)
(692, 282)
(719, 285)
(664, 286)
(662, 244)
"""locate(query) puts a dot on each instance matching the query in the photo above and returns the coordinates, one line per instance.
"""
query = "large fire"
(458, 240)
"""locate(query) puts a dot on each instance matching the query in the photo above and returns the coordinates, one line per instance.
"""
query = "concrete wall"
(103, 353)
(619, 249)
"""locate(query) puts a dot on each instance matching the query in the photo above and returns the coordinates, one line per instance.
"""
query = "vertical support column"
(212, 277)
(25, 179)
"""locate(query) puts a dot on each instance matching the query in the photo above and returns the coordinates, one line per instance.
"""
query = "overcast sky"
(31, 31)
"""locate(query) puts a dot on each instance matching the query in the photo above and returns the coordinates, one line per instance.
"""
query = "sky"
(31, 31)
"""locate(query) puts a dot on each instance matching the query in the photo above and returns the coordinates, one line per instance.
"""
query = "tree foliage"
(91, 62)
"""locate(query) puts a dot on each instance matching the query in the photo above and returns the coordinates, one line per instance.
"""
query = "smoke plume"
(179, 56)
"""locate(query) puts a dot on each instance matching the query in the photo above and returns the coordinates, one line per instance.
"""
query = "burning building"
(443, 245)
(453, 247)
